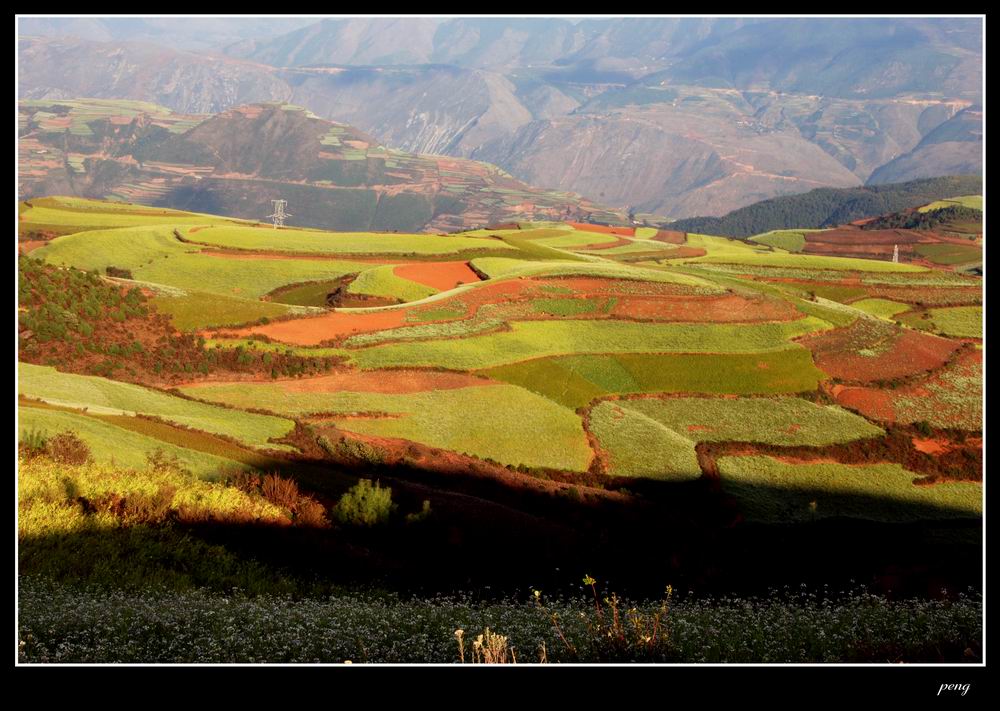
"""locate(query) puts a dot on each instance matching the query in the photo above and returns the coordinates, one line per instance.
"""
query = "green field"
(952, 321)
(197, 310)
(973, 201)
(115, 445)
(154, 254)
(448, 419)
(949, 254)
(725, 251)
(535, 339)
(637, 446)
(883, 308)
(784, 421)
(382, 281)
(770, 491)
(788, 240)
(81, 214)
(111, 397)
(320, 242)
(576, 380)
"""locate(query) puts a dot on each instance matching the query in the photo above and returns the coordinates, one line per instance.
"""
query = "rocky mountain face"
(955, 146)
(236, 162)
(670, 116)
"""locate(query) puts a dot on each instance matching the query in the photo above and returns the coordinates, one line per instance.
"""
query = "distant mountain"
(235, 163)
(955, 146)
(828, 207)
(198, 33)
(659, 116)
(866, 58)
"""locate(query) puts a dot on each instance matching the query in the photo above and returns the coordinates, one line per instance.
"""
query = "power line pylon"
(279, 214)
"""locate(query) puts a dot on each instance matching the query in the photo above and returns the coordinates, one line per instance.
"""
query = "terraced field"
(583, 352)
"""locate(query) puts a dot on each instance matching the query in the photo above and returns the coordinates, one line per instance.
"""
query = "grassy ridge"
(382, 281)
(112, 397)
(115, 445)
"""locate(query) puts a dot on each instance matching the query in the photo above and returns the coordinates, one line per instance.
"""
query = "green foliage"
(365, 505)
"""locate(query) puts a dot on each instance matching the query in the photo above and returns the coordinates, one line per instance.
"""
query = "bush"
(365, 505)
(309, 512)
(32, 443)
(67, 448)
(353, 449)
(161, 462)
(924, 428)
(421, 515)
(280, 492)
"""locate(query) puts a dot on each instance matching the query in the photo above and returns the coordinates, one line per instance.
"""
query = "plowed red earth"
(314, 330)
(437, 275)
(620, 242)
(718, 309)
(604, 229)
(838, 353)
(380, 381)
(848, 235)
(670, 236)
(878, 404)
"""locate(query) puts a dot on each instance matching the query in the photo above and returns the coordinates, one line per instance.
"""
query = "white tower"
(279, 214)
(895, 253)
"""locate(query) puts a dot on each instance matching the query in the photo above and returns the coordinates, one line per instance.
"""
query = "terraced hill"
(525, 376)
(235, 163)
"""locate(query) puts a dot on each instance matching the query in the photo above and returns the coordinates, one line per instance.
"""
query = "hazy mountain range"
(671, 116)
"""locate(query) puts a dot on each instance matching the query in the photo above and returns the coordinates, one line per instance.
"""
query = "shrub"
(161, 462)
(311, 513)
(924, 428)
(32, 443)
(279, 491)
(353, 449)
(116, 272)
(67, 448)
(421, 515)
(365, 505)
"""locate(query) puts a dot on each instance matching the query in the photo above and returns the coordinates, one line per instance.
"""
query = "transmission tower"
(279, 214)
(895, 253)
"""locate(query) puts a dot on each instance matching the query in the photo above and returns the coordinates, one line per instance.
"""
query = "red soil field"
(682, 253)
(313, 330)
(604, 229)
(620, 242)
(437, 275)
(717, 309)
(873, 404)
(848, 235)
(838, 353)
(670, 236)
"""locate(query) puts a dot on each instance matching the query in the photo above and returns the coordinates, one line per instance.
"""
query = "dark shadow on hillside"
(493, 536)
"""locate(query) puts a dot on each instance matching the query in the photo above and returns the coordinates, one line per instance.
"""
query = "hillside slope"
(235, 163)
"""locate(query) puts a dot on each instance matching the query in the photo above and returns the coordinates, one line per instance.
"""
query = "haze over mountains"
(670, 116)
